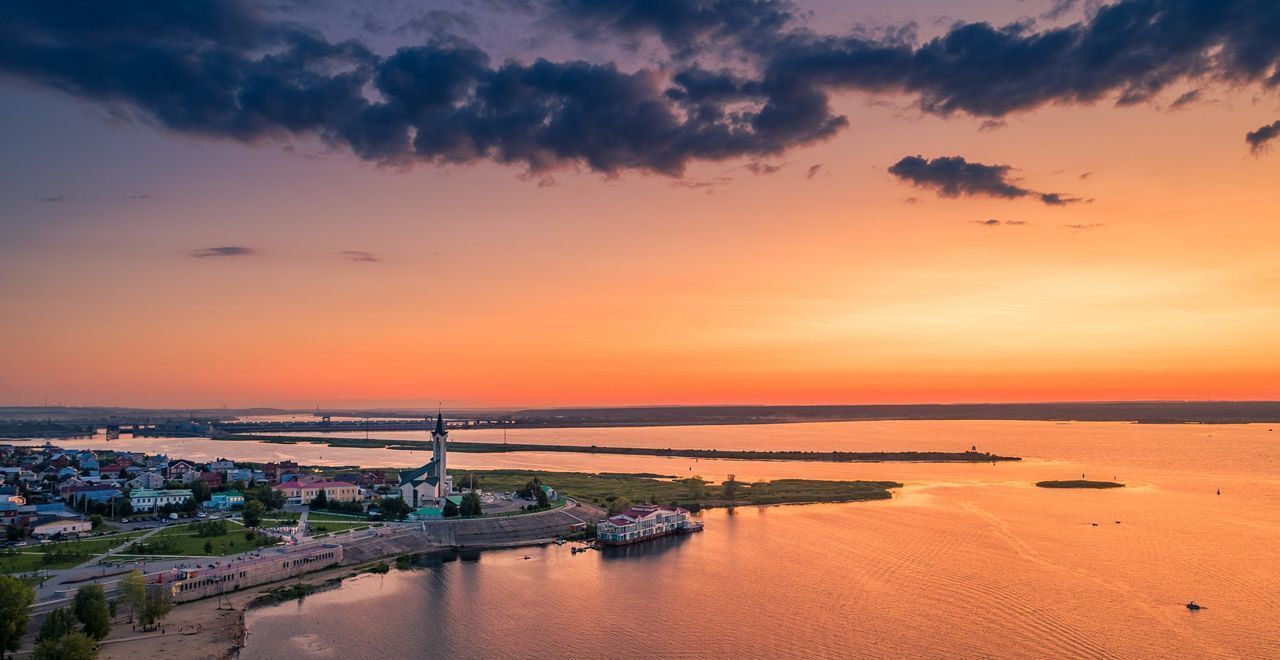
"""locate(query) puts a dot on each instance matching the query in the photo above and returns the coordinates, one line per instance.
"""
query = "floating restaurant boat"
(643, 522)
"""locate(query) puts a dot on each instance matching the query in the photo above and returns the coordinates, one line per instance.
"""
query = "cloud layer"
(742, 79)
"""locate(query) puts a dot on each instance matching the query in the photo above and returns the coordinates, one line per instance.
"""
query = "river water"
(965, 561)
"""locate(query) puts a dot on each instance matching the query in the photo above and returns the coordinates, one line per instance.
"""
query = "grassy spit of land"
(746, 455)
(605, 489)
(1079, 483)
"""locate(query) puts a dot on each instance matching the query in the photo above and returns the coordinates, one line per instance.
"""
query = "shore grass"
(605, 488)
(1078, 483)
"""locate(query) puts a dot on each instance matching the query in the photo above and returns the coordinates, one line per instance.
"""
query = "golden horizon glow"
(493, 291)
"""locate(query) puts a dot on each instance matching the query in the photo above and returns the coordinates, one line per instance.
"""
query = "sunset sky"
(198, 208)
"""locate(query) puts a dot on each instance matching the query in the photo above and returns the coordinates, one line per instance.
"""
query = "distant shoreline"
(722, 454)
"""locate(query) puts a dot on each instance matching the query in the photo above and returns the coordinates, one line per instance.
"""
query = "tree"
(90, 607)
(57, 624)
(730, 488)
(200, 490)
(95, 520)
(253, 510)
(543, 502)
(394, 508)
(158, 602)
(450, 509)
(75, 646)
(530, 489)
(133, 588)
(208, 547)
(471, 504)
(697, 487)
(321, 501)
(619, 505)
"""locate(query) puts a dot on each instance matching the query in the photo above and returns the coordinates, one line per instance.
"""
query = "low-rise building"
(147, 481)
(231, 499)
(303, 491)
(645, 521)
(150, 500)
(76, 494)
(55, 527)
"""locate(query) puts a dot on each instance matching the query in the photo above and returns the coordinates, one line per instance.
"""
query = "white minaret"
(439, 453)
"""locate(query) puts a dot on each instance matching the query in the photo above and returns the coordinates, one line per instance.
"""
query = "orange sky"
(492, 290)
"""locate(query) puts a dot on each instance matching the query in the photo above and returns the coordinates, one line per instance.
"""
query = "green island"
(1078, 483)
(748, 455)
(617, 490)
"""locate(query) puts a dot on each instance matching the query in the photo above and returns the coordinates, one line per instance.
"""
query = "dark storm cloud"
(953, 176)
(223, 68)
(225, 251)
(1259, 139)
(685, 26)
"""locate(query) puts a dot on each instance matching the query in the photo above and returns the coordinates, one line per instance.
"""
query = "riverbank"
(718, 454)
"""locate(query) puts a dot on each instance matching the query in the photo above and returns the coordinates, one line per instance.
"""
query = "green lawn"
(64, 554)
(183, 540)
(336, 517)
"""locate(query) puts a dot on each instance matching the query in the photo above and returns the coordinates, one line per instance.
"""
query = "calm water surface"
(965, 561)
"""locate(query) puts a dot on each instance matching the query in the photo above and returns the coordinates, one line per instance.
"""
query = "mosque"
(429, 485)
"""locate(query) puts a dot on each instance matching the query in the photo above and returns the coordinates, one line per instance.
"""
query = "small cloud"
(911, 200)
(758, 168)
(992, 222)
(953, 176)
(361, 256)
(1185, 100)
(1080, 227)
(813, 171)
(54, 198)
(992, 125)
(1056, 199)
(708, 185)
(1085, 175)
(139, 196)
(225, 251)
(1259, 139)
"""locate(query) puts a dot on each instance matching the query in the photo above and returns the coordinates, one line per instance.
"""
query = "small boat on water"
(1194, 607)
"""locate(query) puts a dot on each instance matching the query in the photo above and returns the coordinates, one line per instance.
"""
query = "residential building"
(147, 481)
(76, 494)
(211, 479)
(150, 500)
